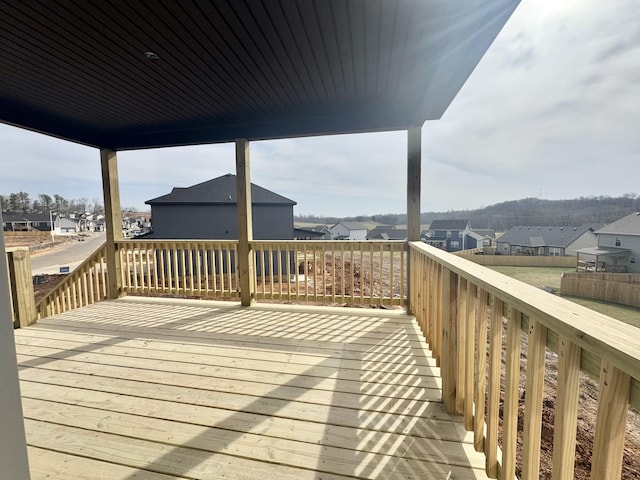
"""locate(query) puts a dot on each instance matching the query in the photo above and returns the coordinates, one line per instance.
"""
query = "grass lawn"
(550, 277)
(536, 276)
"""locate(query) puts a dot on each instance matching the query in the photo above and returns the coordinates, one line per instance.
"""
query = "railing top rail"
(597, 333)
(334, 242)
(143, 241)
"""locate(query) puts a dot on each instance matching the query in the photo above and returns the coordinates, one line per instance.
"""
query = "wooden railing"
(351, 272)
(191, 268)
(459, 304)
(302, 271)
(87, 284)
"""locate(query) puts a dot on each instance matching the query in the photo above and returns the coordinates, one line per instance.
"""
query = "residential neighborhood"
(546, 240)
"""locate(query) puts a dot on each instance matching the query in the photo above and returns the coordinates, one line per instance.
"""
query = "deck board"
(168, 388)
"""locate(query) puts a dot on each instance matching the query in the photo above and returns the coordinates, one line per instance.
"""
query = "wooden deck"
(143, 388)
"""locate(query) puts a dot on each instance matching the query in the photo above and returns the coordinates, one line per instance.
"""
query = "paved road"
(69, 255)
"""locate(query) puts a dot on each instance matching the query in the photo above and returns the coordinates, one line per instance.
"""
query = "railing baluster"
(537, 341)
(449, 365)
(470, 330)
(480, 388)
(493, 400)
(461, 350)
(613, 403)
(511, 396)
(566, 412)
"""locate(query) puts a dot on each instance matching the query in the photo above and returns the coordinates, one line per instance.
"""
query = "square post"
(246, 262)
(414, 160)
(113, 218)
(13, 441)
(21, 284)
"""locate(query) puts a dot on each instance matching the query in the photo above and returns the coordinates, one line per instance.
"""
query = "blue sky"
(553, 110)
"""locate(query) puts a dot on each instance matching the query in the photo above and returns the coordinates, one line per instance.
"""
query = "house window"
(448, 233)
(554, 251)
(632, 259)
(618, 243)
(455, 244)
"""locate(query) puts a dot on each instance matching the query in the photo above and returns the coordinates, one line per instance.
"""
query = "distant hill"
(527, 211)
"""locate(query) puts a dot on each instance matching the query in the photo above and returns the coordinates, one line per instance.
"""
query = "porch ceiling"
(235, 69)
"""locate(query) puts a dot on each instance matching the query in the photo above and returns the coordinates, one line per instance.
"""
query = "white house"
(348, 231)
(64, 225)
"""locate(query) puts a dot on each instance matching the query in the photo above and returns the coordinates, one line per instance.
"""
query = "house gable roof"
(26, 217)
(386, 232)
(629, 225)
(125, 75)
(219, 191)
(448, 225)
(539, 236)
(351, 226)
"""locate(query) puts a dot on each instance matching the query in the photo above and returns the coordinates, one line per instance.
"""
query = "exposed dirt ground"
(587, 410)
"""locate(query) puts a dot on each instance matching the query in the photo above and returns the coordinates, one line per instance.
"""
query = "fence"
(521, 260)
(621, 288)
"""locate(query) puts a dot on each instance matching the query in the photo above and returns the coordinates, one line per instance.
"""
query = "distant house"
(451, 235)
(485, 237)
(545, 240)
(307, 234)
(348, 231)
(386, 232)
(24, 222)
(64, 225)
(618, 247)
(323, 230)
(209, 210)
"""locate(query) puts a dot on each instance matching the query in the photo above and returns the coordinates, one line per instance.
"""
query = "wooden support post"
(113, 218)
(13, 444)
(613, 403)
(21, 284)
(246, 261)
(414, 159)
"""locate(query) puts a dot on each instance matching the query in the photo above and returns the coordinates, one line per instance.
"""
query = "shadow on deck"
(156, 388)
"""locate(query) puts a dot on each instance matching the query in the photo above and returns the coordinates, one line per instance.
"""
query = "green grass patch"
(536, 276)
(550, 277)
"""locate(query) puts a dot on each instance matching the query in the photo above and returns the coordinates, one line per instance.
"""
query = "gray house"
(546, 241)
(451, 235)
(209, 210)
(618, 247)
(24, 222)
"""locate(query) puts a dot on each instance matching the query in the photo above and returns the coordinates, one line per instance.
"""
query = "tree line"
(594, 210)
(21, 202)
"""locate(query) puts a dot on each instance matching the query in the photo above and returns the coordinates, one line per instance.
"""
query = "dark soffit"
(235, 69)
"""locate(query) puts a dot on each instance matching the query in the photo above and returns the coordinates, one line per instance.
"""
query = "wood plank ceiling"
(230, 69)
